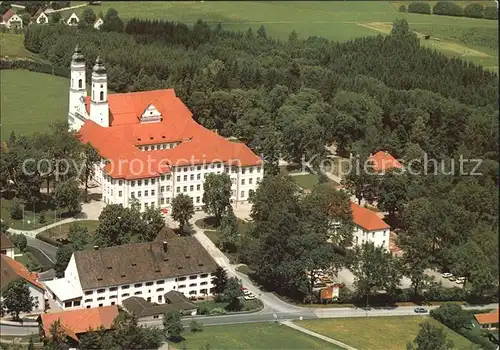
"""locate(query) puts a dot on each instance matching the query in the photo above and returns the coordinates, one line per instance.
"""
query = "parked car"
(246, 292)
(447, 275)
(249, 297)
(420, 310)
(460, 280)
(452, 279)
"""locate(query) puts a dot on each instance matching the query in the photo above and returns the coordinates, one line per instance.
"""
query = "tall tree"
(89, 159)
(78, 236)
(88, 16)
(219, 280)
(430, 337)
(112, 22)
(67, 195)
(228, 232)
(216, 195)
(63, 256)
(359, 181)
(232, 293)
(57, 336)
(392, 195)
(172, 325)
(17, 298)
(154, 223)
(118, 225)
(182, 209)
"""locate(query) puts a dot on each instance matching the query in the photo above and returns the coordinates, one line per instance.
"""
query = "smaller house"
(6, 246)
(41, 17)
(11, 20)
(12, 269)
(147, 311)
(488, 320)
(369, 227)
(75, 323)
(98, 23)
(383, 161)
(71, 20)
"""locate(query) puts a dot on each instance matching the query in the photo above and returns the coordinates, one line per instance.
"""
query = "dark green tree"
(232, 293)
(78, 236)
(430, 337)
(112, 22)
(67, 195)
(89, 16)
(20, 241)
(216, 195)
(17, 298)
(89, 159)
(16, 212)
(182, 209)
(154, 223)
(172, 325)
(219, 281)
(63, 256)
(228, 232)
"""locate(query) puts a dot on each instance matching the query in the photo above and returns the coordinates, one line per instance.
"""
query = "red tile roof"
(7, 15)
(13, 269)
(79, 321)
(196, 145)
(491, 317)
(383, 161)
(367, 219)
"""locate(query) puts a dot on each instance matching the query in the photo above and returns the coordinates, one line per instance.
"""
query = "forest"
(292, 98)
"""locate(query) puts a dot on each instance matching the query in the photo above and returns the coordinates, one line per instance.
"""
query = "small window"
(152, 192)
(160, 289)
(203, 283)
(160, 282)
(80, 83)
(185, 177)
(146, 193)
(88, 300)
(139, 182)
(132, 183)
(168, 177)
(178, 178)
(242, 181)
(138, 293)
(193, 285)
(112, 297)
(125, 295)
(120, 182)
(101, 290)
(162, 189)
(193, 277)
(198, 176)
(139, 193)
(119, 193)
(137, 285)
(242, 194)
(126, 286)
(197, 199)
(191, 177)
(205, 275)
(146, 182)
(182, 286)
(184, 189)
(89, 292)
(198, 187)
(182, 278)
(101, 95)
(100, 305)
(191, 188)
(101, 298)
(112, 289)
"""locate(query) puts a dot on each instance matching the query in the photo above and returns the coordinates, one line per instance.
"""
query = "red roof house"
(383, 161)
(367, 219)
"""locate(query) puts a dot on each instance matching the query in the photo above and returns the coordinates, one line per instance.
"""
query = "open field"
(341, 21)
(62, 231)
(378, 332)
(252, 336)
(308, 181)
(12, 45)
(31, 101)
(31, 216)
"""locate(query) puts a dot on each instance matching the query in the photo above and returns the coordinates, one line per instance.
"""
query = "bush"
(195, 326)
(474, 11)
(217, 311)
(419, 7)
(16, 211)
(402, 8)
(490, 12)
(203, 310)
(19, 241)
(43, 236)
(447, 8)
(41, 218)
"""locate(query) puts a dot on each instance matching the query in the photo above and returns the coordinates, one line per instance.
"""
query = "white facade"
(8, 252)
(68, 293)
(38, 295)
(14, 21)
(72, 20)
(377, 237)
(42, 18)
(98, 23)
(99, 108)
(159, 191)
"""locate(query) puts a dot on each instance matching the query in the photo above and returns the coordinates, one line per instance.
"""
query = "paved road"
(47, 249)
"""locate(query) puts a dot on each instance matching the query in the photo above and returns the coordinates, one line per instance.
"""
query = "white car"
(447, 275)
(249, 297)
(247, 292)
(460, 280)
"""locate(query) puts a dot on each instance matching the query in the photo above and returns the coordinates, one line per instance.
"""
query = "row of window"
(158, 147)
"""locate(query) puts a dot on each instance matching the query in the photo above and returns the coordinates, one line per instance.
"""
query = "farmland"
(472, 39)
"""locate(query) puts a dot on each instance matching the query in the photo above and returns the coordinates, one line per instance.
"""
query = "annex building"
(151, 147)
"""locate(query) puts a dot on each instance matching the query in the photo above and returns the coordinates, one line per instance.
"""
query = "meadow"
(472, 39)
(378, 332)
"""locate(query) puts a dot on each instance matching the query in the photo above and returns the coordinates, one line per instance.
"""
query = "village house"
(151, 147)
(369, 227)
(6, 246)
(71, 20)
(108, 276)
(11, 270)
(98, 23)
(76, 323)
(11, 20)
(488, 320)
(41, 17)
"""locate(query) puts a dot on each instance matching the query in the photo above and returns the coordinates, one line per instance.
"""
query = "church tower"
(99, 108)
(77, 90)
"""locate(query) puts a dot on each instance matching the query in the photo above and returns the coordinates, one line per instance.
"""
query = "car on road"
(420, 310)
(249, 297)
(452, 279)
(447, 275)
(460, 280)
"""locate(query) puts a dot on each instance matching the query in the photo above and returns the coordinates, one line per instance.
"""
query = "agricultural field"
(12, 46)
(378, 332)
(472, 39)
(31, 101)
(251, 336)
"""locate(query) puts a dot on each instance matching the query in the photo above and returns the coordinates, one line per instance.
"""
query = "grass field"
(308, 181)
(31, 101)
(62, 231)
(12, 45)
(378, 332)
(252, 336)
(27, 258)
(473, 39)
(31, 216)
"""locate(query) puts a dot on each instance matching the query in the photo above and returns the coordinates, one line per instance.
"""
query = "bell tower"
(77, 91)
(99, 108)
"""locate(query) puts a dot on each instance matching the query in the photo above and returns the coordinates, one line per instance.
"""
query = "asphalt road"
(47, 249)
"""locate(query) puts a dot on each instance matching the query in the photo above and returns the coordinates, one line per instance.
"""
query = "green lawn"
(252, 336)
(377, 332)
(31, 218)
(31, 101)
(339, 20)
(209, 224)
(12, 45)
(309, 181)
(61, 231)
(27, 259)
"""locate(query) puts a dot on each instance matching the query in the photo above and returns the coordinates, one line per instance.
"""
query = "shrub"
(490, 12)
(474, 11)
(203, 310)
(419, 7)
(402, 8)
(447, 8)
(16, 212)
(41, 218)
(19, 241)
(195, 326)
(217, 311)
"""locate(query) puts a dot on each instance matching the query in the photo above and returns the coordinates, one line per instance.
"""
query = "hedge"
(44, 237)
(490, 12)
(419, 7)
(35, 67)
(474, 11)
(447, 8)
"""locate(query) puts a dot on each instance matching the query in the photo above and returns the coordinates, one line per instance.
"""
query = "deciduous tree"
(219, 281)
(182, 209)
(67, 195)
(172, 325)
(430, 337)
(17, 298)
(216, 195)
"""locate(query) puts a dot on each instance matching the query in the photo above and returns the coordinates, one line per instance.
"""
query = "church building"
(151, 147)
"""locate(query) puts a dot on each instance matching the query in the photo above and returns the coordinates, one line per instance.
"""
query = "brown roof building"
(174, 301)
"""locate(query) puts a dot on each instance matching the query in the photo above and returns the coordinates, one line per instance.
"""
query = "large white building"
(151, 147)
(369, 227)
(108, 276)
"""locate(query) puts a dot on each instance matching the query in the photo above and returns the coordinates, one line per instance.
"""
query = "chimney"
(165, 246)
(96, 247)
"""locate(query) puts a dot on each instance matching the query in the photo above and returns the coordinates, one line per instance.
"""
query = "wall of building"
(38, 295)
(378, 237)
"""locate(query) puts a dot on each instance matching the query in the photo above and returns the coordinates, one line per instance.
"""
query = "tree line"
(449, 8)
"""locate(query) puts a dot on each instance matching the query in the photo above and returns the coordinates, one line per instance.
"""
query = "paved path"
(49, 10)
(317, 335)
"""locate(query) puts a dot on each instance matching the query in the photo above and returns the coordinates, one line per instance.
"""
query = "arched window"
(80, 83)
(101, 95)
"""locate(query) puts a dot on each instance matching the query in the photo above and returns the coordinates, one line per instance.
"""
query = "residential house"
(98, 23)
(383, 161)
(12, 269)
(108, 276)
(147, 311)
(6, 246)
(41, 17)
(151, 147)
(369, 227)
(11, 20)
(71, 20)
(488, 320)
(75, 323)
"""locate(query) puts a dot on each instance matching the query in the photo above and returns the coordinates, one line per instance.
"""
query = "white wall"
(38, 298)
(8, 252)
(378, 237)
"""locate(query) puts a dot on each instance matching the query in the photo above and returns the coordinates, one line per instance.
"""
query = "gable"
(151, 115)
